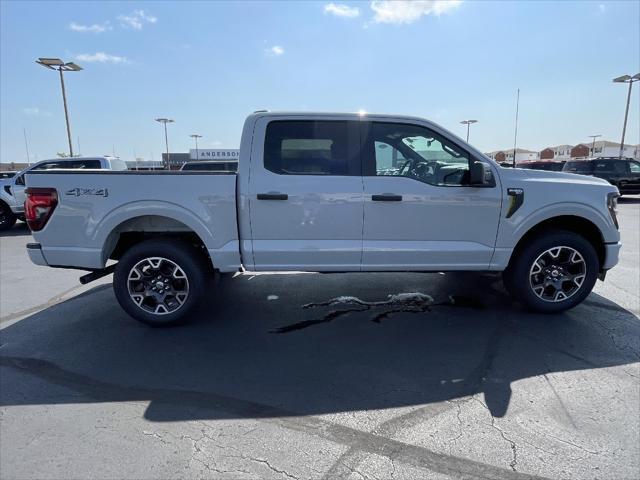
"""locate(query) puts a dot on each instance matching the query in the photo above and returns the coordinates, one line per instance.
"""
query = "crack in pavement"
(514, 448)
(409, 454)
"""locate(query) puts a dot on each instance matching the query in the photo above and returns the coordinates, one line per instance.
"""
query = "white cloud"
(275, 51)
(35, 112)
(407, 11)
(101, 57)
(602, 7)
(137, 19)
(95, 28)
(340, 10)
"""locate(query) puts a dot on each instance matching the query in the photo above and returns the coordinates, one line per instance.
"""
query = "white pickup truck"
(327, 193)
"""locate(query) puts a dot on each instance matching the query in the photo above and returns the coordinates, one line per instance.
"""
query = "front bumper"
(611, 255)
(35, 254)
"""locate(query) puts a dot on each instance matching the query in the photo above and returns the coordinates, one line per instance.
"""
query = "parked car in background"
(12, 194)
(210, 166)
(308, 197)
(623, 173)
(5, 175)
(548, 165)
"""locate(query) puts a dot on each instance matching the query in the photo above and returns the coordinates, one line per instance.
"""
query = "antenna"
(26, 145)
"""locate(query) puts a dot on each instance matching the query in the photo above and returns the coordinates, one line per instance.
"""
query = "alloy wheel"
(158, 285)
(557, 274)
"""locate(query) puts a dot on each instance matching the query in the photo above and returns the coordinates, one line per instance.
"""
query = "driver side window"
(418, 153)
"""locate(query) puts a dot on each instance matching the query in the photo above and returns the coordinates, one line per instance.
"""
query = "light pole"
(626, 79)
(60, 66)
(195, 136)
(166, 138)
(468, 124)
(593, 144)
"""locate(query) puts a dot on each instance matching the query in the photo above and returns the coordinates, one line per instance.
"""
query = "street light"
(593, 145)
(468, 124)
(195, 136)
(166, 138)
(626, 79)
(60, 66)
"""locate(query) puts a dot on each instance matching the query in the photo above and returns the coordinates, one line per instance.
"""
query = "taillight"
(39, 205)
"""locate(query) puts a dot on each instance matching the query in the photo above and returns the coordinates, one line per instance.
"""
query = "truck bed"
(96, 207)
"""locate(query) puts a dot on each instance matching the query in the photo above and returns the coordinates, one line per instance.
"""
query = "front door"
(306, 195)
(420, 213)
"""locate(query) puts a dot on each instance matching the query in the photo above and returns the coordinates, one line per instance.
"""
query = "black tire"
(518, 276)
(7, 217)
(173, 252)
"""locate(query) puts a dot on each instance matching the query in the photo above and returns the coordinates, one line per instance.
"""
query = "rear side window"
(578, 167)
(116, 164)
(634, 167)
(611, 166)
(69, 164)
(312, 148)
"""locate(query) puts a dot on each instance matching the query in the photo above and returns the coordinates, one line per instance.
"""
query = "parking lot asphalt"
(267, 382)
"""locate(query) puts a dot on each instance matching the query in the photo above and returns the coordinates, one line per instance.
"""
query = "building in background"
(226, 154)
(522, 155)
(605, 148)
(580, 151)
(176, 160)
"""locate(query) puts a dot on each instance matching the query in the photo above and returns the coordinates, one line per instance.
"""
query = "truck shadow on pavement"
(229, 363)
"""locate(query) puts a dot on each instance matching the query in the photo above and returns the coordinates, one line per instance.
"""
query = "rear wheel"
(160, 281)
(7, 217)
(553, 272)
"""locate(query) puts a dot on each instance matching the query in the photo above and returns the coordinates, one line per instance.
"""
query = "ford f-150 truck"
(327, 193)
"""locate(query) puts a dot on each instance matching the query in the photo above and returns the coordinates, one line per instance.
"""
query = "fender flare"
(603, 224)
(129, 211)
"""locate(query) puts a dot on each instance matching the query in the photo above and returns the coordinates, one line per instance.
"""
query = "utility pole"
(515, 135)
(593, 144)
(166, 138)
(195, 136)
(60, 66)
(468, 123)
(626, 79)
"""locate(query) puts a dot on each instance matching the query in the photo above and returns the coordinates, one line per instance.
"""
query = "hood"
(544, 176)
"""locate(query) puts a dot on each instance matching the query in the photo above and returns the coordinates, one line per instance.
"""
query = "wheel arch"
(137, 228)
(572, 223)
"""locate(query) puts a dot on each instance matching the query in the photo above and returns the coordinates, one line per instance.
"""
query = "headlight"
(612, 206)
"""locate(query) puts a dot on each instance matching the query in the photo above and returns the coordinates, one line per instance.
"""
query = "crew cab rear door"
(420, 212)
(306, 194)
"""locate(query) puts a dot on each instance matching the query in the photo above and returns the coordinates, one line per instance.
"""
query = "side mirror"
(481, 175)
(20, 180)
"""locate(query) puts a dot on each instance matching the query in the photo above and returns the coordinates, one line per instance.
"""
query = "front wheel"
(160, 282)
(553, 272)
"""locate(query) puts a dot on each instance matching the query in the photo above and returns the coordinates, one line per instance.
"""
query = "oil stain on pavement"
(401, 302)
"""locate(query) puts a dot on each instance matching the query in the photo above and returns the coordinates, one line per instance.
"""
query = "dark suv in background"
(623, 173)
(548, 165)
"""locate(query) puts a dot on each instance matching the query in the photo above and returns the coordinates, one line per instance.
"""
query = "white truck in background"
(12, 195)
(327, 193)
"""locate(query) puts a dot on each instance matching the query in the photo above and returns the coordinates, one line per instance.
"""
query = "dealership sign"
(214, 154)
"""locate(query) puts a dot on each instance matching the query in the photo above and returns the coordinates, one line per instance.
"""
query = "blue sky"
(209, 64)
